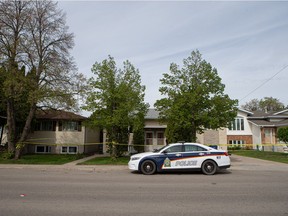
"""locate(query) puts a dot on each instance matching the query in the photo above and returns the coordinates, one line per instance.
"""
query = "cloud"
(245, 41)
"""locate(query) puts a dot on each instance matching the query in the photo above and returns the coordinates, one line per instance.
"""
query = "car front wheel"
(209, 167)
(148, 167)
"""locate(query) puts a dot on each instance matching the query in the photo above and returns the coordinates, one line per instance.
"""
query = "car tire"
(209, 167)
(148, 167)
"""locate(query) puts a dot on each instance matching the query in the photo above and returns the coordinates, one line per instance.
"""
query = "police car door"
(172, 155)
(193, 156)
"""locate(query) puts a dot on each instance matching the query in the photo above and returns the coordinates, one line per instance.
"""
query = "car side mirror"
(164, 152)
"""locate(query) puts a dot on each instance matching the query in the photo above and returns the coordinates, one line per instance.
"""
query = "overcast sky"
(247, 42)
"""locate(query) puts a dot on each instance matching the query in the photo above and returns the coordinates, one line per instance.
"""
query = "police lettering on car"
(180, 156)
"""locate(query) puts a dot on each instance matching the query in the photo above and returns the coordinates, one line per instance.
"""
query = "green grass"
(107, 161)
(264, 155)
(41, 159)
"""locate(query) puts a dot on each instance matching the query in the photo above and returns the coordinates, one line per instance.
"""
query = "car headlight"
(135, 158)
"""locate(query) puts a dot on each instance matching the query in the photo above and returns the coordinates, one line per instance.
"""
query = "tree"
(194, 101)
(34, 54)
(271, 104)
(267, 104)
(252, 105)
(282, 134)
(116, 98)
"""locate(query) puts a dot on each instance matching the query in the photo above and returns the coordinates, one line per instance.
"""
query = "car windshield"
(158, 150)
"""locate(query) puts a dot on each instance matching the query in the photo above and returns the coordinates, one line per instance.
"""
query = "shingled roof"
(269, 119)
(58, 115)
(152, 114)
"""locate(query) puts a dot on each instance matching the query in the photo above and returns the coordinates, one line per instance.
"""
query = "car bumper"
(133, 165)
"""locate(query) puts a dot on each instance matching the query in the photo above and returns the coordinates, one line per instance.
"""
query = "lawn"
(41, 159)
(271, 156)
(107, 161)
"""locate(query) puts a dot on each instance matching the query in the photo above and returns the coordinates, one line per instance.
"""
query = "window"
(160, 138)
(46, 125)
(69, 126)
(149, 138)
(43, 149)
(237, 124)
(236, 142)
(69, 149)
(173, 149)
(191, 148)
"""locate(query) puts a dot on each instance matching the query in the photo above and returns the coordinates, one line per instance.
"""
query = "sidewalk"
(73, 163)
(68, 166)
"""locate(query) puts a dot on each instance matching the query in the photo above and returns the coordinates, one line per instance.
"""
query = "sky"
(246, 41)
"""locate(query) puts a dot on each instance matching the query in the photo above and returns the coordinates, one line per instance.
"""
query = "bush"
(7, 155)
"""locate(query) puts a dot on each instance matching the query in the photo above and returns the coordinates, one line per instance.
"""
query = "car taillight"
(226, 154)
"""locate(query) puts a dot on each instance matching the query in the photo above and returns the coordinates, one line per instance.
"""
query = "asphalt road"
(249, 187)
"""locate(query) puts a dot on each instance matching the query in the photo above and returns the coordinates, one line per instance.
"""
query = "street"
(251, 189)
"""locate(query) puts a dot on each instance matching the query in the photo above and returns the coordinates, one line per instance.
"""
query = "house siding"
(86, 140)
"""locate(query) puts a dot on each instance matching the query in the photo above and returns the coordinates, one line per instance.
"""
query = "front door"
(268, 135)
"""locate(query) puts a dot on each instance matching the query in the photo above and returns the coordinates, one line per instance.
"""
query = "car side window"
(192, 148)
(173, 149)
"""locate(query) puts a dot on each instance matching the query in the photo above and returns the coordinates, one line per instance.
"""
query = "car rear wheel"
(209, 167)
(148, 167)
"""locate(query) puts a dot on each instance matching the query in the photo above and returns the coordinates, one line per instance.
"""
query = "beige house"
(61, 132)
(155, 134)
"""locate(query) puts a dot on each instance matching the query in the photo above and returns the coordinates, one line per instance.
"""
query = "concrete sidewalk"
(68, 166)
(73, 163)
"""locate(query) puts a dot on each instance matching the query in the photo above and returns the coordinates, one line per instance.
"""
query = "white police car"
(180, 156)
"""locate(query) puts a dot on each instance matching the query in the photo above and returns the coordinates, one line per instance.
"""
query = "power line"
(266, 81)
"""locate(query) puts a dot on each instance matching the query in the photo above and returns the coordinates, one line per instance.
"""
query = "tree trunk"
(20, 145)
(11, 136)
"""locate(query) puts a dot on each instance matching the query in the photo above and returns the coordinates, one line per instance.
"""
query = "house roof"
(266, 123)
(58, 115)
(152, 114)
(246, 111)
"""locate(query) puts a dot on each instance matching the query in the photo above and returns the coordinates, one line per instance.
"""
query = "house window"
(237, 124)
(43, 149)
(236, 142)
(69, 126)
(69, 149)
(160, 138)
(46, 125)
(149, 138)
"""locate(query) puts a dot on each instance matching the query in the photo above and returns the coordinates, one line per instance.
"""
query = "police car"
(180, 156)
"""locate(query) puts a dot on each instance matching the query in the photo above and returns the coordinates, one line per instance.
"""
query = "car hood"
(141, 155)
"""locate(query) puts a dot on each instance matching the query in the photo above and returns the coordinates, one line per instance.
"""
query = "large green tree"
(266, 104)
(36, 65)
(194, 100)
(116, 98)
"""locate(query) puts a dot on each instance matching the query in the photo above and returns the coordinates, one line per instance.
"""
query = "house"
(264, 126)
(240, 131)
(155, 133)
(249, 130)
(62, 132)
(257, 130)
